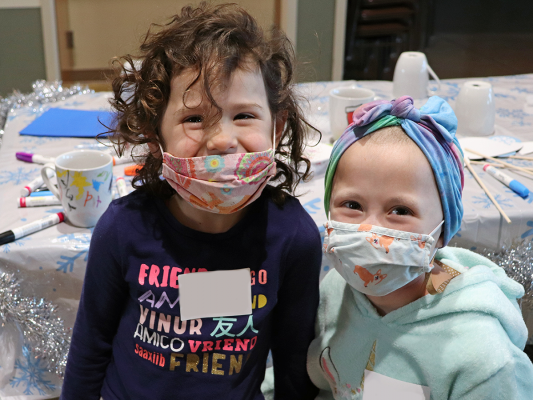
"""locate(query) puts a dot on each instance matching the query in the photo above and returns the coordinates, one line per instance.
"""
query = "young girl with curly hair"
(212, 98)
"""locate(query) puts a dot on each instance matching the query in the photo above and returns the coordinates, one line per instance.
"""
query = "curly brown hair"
(214, 41)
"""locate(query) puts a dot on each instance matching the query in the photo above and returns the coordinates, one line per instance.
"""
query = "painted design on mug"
(380, 241)
(367, 277)
(80, 181)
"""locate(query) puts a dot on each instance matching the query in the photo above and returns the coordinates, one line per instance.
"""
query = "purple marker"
(34, 158)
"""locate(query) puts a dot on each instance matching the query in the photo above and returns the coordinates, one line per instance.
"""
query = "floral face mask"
(221, 184)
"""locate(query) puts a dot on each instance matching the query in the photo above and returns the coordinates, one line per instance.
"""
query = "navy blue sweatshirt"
(128, 341)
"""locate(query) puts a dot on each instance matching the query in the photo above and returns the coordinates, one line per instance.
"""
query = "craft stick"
(494, 165)
(520, 157)
(476, 177)
(499, 161)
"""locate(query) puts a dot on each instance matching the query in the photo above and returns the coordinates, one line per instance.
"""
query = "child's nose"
(222, 140)
(372, 220)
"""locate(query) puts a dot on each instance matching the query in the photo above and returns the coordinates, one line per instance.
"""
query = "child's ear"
(153, 145)
(280, 121)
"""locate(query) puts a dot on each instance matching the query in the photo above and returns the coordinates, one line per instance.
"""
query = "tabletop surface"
(51, 263)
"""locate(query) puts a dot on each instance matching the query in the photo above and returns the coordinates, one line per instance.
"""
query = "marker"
(122, 160)
(516, 186)
(121, 186)
(132, 170)
(41, 193)
(38, 201)
(25, 230)
(33, 158)
(36, 183)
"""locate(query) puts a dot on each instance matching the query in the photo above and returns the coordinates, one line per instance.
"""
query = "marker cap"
(25, 191)
(7, 237)
(520, 189)
(23, 156)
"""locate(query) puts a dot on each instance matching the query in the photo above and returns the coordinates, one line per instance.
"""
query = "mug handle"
(46, 179)
(434, 76)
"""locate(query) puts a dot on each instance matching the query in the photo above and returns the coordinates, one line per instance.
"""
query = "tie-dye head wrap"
(432, 128)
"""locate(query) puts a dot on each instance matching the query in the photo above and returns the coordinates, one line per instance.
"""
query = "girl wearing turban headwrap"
(446, 322)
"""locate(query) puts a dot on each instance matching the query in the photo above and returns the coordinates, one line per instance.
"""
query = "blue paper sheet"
(61, 122)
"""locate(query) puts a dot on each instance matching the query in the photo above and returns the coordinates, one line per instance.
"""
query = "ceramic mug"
(84, 178)
(411, 76)
(475, 109)
(342, 103)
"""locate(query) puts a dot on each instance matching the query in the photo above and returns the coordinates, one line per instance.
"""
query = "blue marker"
(41, 193)
(515, 186)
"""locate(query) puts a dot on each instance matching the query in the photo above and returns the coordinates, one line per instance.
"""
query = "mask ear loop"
(434, 248)
(161, 149)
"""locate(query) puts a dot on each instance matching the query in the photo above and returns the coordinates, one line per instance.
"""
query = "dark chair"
(377, 32)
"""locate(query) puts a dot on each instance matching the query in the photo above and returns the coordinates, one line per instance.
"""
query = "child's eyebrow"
(186, 110)
(247, 105)
(404, 201)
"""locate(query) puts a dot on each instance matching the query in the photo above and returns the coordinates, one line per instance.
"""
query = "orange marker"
(132, 170)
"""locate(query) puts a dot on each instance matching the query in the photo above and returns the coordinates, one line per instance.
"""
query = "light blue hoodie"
(466, 343)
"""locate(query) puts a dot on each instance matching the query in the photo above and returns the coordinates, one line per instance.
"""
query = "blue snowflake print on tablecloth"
(448, 90)
(521, 90)
(6, 248)
(77, 242)
(311, 206)
(485, 202)
(18, 176)
(529, 232)
(529, 198)
(32, 375)
(517, 115)
(504, 96)
(39, 140)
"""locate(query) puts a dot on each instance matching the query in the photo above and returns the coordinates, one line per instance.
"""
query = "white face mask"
(376, 260)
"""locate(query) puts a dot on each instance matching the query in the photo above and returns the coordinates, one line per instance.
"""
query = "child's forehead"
(243, 85)
(218, 76)
(399, 162)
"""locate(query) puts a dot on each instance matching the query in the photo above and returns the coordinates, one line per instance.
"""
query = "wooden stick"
(494, 165)
(499, 161)
(521, 157)
(476, 177)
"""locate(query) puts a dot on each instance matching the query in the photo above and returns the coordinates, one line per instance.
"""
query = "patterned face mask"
(376, 260)
(221, 184)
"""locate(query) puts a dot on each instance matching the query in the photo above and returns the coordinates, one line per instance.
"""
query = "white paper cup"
(342, 103)
(84, 178)
(475, 109)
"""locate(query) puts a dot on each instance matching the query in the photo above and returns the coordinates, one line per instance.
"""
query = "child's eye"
(194, 119)
(401, 211)
(244, 116)
(353, 205)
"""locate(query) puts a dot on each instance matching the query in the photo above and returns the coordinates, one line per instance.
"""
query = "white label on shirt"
(381, 387)
(215, 294)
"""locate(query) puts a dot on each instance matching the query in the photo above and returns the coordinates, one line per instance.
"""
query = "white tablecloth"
(52, 262)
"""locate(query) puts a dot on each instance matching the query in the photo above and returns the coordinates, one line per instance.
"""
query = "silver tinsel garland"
(36, 318)
(517, 261)
(43, 92)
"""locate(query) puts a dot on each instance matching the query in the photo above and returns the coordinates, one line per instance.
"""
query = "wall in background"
(103, 29)
(21, 49)
(314, 39)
